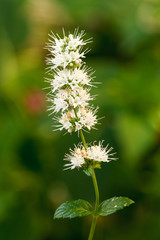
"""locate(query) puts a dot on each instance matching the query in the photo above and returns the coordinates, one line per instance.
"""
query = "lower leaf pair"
(81, 208)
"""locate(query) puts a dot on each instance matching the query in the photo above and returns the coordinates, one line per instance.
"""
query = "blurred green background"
(126, 56)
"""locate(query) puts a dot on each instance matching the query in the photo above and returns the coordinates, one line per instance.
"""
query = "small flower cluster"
(80, 157)
(70, 83)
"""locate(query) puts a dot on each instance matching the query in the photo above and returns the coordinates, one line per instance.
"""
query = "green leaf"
(88, 171)
(112, 205)
(72, 209)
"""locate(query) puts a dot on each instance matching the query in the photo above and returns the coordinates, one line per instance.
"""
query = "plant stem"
(83, 139)
(81, 133)
(95, 215)
(96, 191)
(93, 226)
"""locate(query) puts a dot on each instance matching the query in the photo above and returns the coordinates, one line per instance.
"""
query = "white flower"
(65, 98)
(60, 104)
(60, 101)
(56, 44)
(64, 120)
(72, 42)
(75, 41)
(78, 126)
(70, 78)
(75, 158)
(87, 119)
(79, 97)
(70, 83)
(66, 50)
(64, 59)
(94, 153)
(60, 79)
(80, 77)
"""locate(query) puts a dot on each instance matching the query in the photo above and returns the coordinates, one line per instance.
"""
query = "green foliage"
(112, 205)
(72, 209)
(88, 170)
(81, 208)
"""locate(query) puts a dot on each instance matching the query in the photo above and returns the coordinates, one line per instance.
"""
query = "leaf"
(72, 209)
(112, 205)
(88, 171)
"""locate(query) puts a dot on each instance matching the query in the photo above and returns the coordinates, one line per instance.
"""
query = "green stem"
(96, 191)
(81, 133)
(83, 139)
(93, 226)
(95, 214)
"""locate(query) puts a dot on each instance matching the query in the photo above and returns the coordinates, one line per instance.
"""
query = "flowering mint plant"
(70, 82)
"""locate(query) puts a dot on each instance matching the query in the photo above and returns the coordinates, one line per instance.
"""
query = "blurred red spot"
(35, 101)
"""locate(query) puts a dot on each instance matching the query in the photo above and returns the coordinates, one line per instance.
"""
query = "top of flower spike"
(66, 50)
(67, 43)
(70, 83)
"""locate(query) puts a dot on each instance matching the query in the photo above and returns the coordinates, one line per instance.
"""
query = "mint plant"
(70, 84)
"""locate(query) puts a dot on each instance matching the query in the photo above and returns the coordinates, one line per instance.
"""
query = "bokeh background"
(126, 56)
